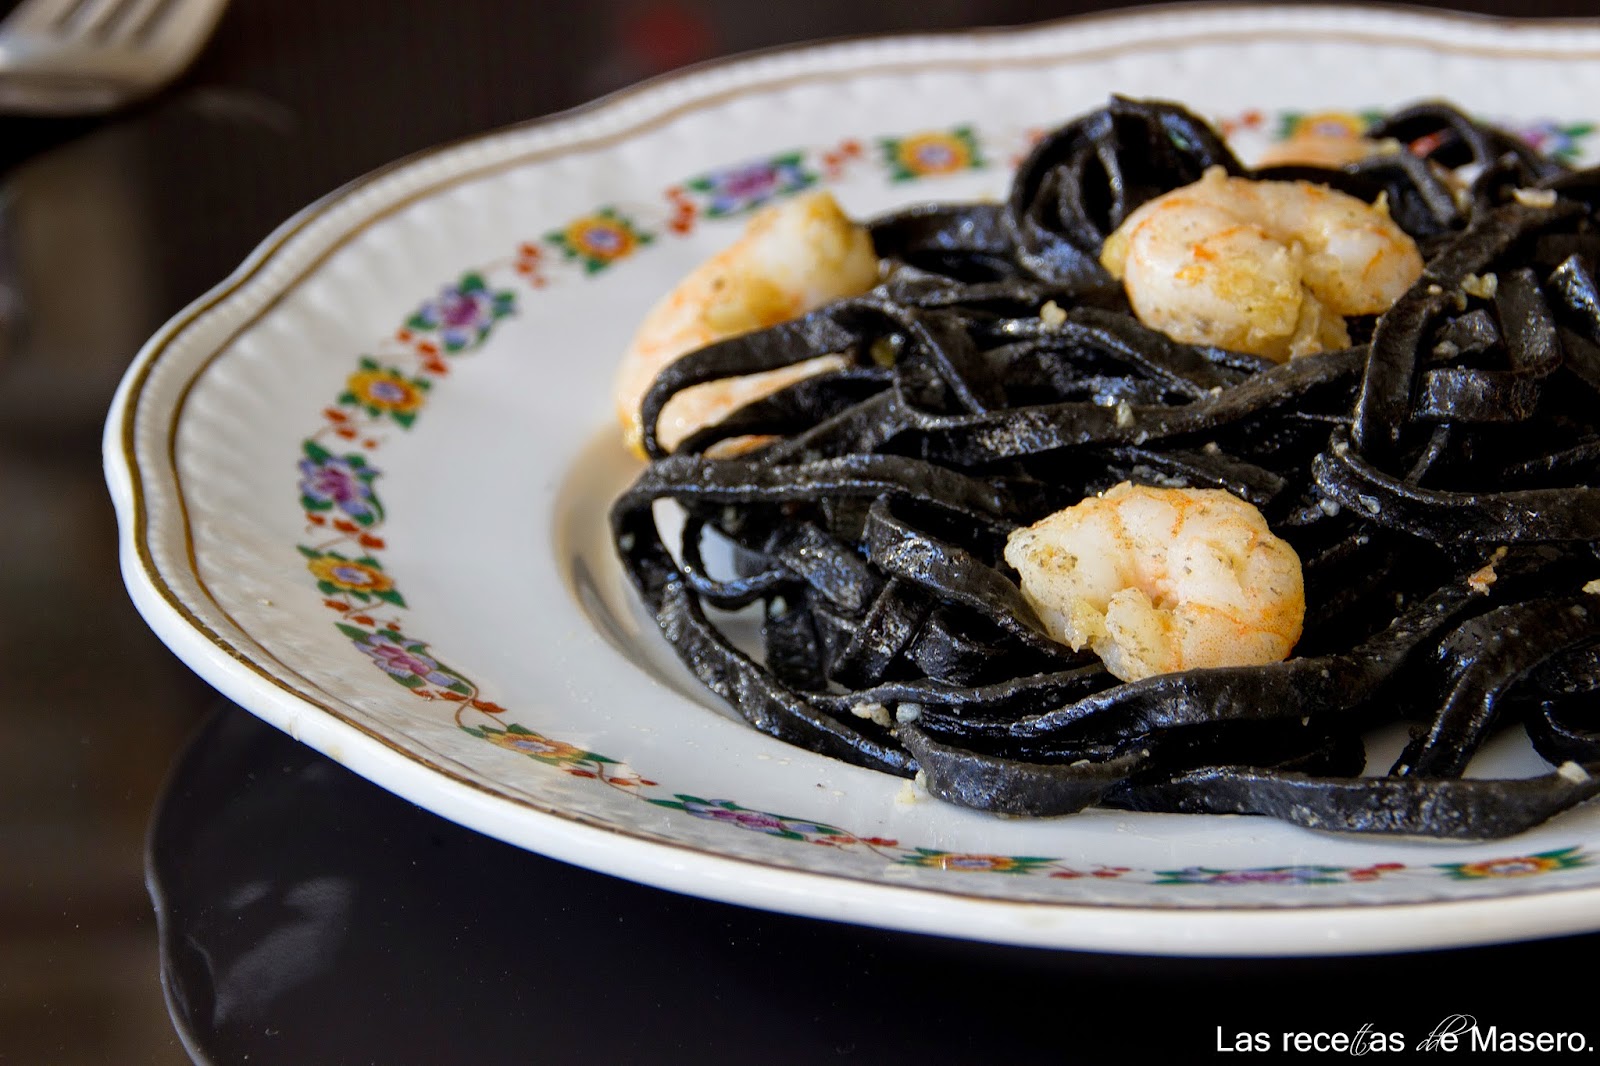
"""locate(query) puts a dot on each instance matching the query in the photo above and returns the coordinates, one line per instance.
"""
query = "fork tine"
(173, 25)
(92, 56)
(91, 16)
(40, 16)
(133, 17)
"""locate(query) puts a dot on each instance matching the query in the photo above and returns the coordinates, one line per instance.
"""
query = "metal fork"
(83, 57)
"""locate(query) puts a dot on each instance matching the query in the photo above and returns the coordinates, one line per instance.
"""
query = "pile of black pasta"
(1461, 431)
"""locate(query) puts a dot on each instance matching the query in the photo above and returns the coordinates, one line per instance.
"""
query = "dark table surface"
(310, 917)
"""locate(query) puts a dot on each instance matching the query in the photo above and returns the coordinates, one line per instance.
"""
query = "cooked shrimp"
(1320, 149)
(1268, 267)
(792, 258)
(1156, 580)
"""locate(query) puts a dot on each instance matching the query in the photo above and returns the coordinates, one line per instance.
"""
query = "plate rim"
(584, 839)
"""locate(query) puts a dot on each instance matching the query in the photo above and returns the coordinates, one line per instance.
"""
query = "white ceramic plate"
(363, 485)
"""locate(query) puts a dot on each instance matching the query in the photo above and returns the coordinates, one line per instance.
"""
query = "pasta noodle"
(1437, 479)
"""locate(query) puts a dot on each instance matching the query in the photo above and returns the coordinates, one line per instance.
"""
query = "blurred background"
(110, 226)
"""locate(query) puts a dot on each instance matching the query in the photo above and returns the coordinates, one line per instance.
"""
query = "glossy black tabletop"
(307, 916)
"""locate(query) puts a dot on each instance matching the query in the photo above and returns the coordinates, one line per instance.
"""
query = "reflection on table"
(309, 917)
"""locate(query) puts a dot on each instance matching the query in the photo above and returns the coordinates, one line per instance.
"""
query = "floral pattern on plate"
(390, 389)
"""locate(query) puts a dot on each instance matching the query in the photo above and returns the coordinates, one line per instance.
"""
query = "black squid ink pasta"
(1458, 435)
